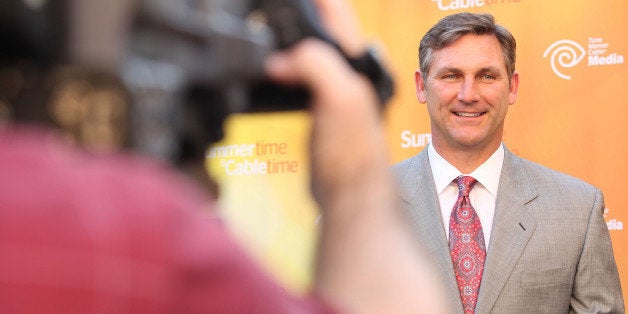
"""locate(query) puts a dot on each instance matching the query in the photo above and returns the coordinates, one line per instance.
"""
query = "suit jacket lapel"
(419, 193)
(512, 228)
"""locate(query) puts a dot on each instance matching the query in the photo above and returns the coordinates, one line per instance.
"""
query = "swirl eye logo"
(567, 53)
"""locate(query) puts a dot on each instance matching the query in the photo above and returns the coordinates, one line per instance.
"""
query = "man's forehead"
(477, 51)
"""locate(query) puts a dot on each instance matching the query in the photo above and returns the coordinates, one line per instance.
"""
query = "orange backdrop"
(572, 97)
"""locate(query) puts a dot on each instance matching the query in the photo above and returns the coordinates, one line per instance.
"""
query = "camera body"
(207, 56)
(187, 64)
(221, 45)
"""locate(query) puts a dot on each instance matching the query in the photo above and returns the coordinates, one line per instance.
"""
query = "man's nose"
(468, 92)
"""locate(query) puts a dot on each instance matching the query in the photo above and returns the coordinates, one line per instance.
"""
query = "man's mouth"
(468, 114)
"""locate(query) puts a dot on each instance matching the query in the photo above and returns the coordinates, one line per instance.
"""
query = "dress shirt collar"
(487, 173)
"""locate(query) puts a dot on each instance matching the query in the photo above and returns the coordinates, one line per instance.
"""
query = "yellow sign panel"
(572, 98)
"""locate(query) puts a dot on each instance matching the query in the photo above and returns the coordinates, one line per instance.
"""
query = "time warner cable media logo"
(612, 223)
(565, 53)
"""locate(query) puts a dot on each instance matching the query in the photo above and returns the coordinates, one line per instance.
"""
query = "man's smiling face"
(467, 91)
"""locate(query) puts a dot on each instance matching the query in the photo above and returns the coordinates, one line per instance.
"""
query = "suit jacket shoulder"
(546, 177)
(414, 175)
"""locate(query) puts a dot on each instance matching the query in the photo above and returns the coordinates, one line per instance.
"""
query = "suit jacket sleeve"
(596, 286)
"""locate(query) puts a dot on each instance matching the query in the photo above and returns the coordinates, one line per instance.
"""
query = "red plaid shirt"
(116, 234)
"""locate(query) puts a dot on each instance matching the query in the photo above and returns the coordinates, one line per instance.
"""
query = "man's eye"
(488, 77)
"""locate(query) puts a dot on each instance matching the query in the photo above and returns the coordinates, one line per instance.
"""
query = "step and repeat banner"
(573, 98)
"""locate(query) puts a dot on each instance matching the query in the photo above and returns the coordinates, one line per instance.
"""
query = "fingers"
(322, 69)
(342, 24)
(347, 145)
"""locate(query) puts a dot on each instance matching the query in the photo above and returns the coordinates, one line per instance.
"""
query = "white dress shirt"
(483, 194)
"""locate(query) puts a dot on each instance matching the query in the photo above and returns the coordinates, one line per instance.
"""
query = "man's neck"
(468, 159)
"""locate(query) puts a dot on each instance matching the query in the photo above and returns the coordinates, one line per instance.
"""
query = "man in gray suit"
(542, 243)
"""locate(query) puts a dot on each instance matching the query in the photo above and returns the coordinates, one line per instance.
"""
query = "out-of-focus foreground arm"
(368, 261)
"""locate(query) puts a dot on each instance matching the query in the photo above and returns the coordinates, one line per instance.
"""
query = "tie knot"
(465, 184)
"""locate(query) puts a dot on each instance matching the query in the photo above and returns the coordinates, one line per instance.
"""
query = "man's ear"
(514, 88)
(419, 86)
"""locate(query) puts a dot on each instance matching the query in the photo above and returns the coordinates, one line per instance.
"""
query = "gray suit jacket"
(550, 249)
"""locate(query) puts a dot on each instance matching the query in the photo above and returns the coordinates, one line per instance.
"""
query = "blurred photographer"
(83, 231)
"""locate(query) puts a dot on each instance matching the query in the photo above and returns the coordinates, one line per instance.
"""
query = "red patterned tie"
(466, 244)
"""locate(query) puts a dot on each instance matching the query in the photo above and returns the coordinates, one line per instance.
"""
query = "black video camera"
(188, 64)
(212, 51)
(221, 44)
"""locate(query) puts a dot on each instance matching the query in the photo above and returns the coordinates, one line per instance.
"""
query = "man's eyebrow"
(448, 70)
(456, 70)
(489, 69)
